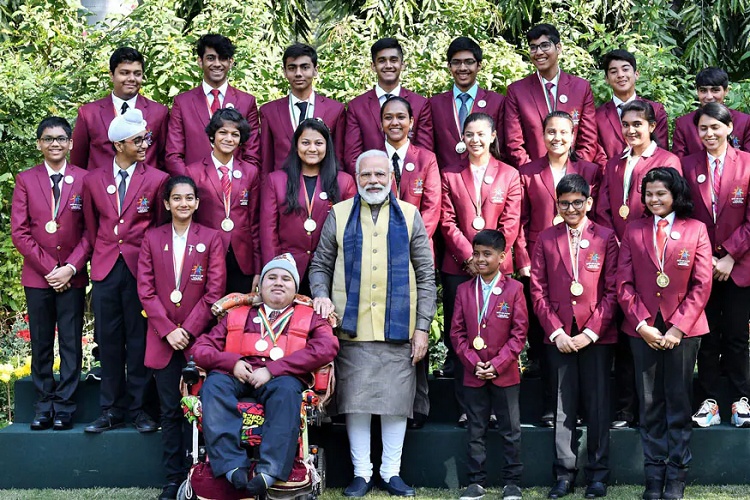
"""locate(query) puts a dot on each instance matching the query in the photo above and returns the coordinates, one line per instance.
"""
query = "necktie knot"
(662, 224)
(216, 104)
(549, 86)
(464, 97)
(123, 186)
(224, 171)
(123, 175)
(124, 108)
(302, 105)
(274, 314)
(215, 93)
(388, 96)
(575, 233)
(56, 178)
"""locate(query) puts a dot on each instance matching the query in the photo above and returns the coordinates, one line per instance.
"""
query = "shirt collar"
(472, 91)
(269, 309)
(555, 80)
(650, 150)
(218, 164)
(721, 158)
(583, 225)
(478, 168)
(389, 149)
(207, 88)
(669, 218)
(118, 102)
(379, 92)
(129, 170)
(176, 236)
(310, 100)
(51, 172)
(617, 101)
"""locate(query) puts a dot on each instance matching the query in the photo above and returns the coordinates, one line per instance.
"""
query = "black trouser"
(728, 312)
(172, 420)
(450, 286)
(626, 406)
(664, 381)
(584, 376)
(122, 333)
(48, 309)
(503, 401)
(237, 281)
(536, 350)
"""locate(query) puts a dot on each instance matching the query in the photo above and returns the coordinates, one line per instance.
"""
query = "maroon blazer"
(539, 201)
(363, 130)
(610, 128)
(277, 131)
(187, 141)
(611, 190)
(142, 209)
(91, 146)
(526, 109)
(31, 209)
(504, 331)
(202, 283)
(687, 262)
(501, 210)
(731, 231)
(552, 274)
(421, 186)
(243, 210)
(685, 139)
(281, 232)
(322, 346)
(445, 130)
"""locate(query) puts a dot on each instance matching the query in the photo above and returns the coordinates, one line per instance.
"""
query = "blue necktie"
(463, 111)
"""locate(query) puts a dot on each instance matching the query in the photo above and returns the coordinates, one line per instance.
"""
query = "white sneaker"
(741, 413)
(708, 414)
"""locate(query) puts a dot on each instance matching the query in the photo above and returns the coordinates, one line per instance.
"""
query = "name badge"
(76, 203)
(143, 205)
(196, 273)
(497, 196)
(418, 186)
(738, 196)
(503, 310)
(244, 197)
(593, 262)
(683, 259)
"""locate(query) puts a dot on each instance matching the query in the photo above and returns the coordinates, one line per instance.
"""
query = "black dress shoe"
(42, 420)
(596, 489)
(239, 478)
(443, 373)
(358, 487)
(562, 488)
(143, 423)
(417, 422)
(169, 492)
(257, 486)
(397, 487)
(106, 422)
(547, 420)
(674, 490)
(653, 489)
(63, 421)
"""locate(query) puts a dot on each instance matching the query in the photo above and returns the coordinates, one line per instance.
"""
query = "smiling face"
(714, 134)
(621, 77)
(396, 121)
(133, 149)
(712, 93)
(227, 139)
(182, 203)
(127, 79)
(54, 144)
(464, 68)
(214, 68)
(311, 148)
(659, 199)
(300, 72)
(277, 288)
(544, 55)
(374, 179)
(478, 136)
(558, 135)
(388, 65)
(572, 207)
(637, 130)
(487, 260)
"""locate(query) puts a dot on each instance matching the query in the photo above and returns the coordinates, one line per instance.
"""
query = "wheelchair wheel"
(182, 492)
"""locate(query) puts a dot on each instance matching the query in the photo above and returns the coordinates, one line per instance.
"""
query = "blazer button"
(658, 294)
(373, 304)
(573, 302)
(374, 250)
(374, 286)
(120, 242)
(308, 252)
(59, 247)
(177, 304)
(263, 359)
(122, 221)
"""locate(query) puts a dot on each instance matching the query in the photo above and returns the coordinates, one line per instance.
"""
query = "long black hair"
(477, 117)
(328, 176)
(171, 183)
(682, 201)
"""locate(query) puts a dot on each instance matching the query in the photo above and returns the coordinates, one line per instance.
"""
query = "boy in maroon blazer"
(621, 73)
(548, 89)
(120, 203)
(712, 85)
(92, 148)
(187, 142)
(363, 131)
(449, 109)
(47, 229)
(279, 118)
(488, 332)
(574, 294)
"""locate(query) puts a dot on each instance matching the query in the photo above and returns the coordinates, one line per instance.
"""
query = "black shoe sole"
(99, 430)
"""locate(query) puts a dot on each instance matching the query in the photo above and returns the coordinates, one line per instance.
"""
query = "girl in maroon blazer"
(181, 273)
(663, 284)
(297, 199)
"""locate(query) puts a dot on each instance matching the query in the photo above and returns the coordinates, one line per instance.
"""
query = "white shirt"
(218, 164)
(630, 166)
(117, 102)
(269, 309)
(116, 172)
(294, 110)
(380, 93)
(619, 102)
(51, 172)
(389, 150)
(558, 174)
(551, 106)
(178, 249)
(210, 98)
(478, 172)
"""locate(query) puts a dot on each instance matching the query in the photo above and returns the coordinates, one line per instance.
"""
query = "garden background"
(53, 61)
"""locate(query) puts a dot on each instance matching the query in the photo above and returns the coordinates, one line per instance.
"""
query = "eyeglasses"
(138, 141)
(456, 63)
(565, 205)
(544, 47)
(49, 140)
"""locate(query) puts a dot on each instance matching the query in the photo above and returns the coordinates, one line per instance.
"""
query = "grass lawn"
(734, 492)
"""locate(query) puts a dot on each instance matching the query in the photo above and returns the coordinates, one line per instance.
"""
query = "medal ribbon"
(628, 176)
(226, 186)
(486, 298)
(177, 262)
(310, 198)
(574, 258)
(660, 255)
(478, 191)
(275, 329)
(55, 205)
(455, 116)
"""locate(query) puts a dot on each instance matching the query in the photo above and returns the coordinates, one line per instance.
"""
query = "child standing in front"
(488, 330)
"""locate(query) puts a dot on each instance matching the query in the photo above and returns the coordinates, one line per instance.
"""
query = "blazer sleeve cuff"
(556, 334)
(590, 334)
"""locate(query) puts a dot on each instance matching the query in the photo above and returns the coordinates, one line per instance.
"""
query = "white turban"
(126, 125)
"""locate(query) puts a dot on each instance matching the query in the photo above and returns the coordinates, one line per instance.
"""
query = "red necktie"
(215, 105)
(552, 102)
(226, 182)
(717, 180)
(272, 317)
(661, 238)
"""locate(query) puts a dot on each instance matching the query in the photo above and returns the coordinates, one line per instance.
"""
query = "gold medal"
(478, 343)
(51, 227)
(478, 223)
(624, 211)
(310, 225)
(227, 225)
(576, 289)
(261, 345)
(276, 353)
(662, 280)
(175, 296)
(557, 220)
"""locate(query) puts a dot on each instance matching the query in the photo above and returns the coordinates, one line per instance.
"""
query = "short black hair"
(712, 77)
(179, 179)
(682, 204)
(573, 183)
(125, 54)
(715, 110)
(228, 115)
(222, 45)
(490, 238)
(299, 50)
(464, 43)
(618, 55)
(396, 99)
(52, 122)
(543, 29)
(386, 43)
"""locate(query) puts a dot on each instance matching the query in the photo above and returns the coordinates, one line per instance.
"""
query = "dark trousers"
(122, 335)
(536, 350)
(503, 401)
(450, 286)
(48, 309)
(172, 420)
(664, 381)
(281, 398)
(581, 376)
(626, 406)
(728, 312)
(237, 281)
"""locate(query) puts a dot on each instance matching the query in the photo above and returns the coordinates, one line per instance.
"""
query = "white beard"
(374, 198)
